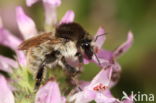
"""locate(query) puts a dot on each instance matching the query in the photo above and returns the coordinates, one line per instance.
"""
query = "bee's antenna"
(99, 36)
(97, 59)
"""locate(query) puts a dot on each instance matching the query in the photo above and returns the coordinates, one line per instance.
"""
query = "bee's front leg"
(72, 70)
(80, 59)
(73, 73)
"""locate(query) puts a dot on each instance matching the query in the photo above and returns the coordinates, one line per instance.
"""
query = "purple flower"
(26, 24)
(49, 93)
(99, 38)
(9, 40)
(124, 47)
(6, 64)
(127, 99)
(108, 58)
(52, 2)
(50, 10)
(6, 95)
(97, 89)
(31, 2)
(68, 17)
(1, 24)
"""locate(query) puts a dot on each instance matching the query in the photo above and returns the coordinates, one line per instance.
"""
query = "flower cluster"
(98, 89)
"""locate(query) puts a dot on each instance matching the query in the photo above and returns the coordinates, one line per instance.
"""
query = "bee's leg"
(70, 68)
(49, 58)
(73, 72)
(75, 80)
(39, 75)
(80, 57)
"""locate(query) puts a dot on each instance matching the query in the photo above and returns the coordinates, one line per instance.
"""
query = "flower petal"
(100, 37)
(6, 64)
(26, 25)
(116, 71)
(6, 96)
(108, 93)
(50, 11)
(1, 23)
(31, 2)
(21, 57)
(125, 46)
(88, 94)
(83, 84)
(68, 17)
(100, 98)
(103, 77)
(49, 93)
(127, 99)
(50, 14)
(53, 3)
(104, 56)
(85, 61)
(83, 97)
(8, 39)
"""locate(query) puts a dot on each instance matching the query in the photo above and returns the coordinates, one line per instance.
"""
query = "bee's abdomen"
(33, 62)
(35, 57)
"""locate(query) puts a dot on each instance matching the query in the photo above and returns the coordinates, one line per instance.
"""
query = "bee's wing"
(35, 41)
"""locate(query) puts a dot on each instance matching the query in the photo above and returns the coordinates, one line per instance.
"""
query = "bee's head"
(71, 31)
(87, 47)
(74, 32)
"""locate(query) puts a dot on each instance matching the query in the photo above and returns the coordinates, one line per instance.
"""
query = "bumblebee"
(69, 41)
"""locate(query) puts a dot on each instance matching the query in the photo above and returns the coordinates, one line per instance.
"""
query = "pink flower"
(6, 95)
(127, 99)
(124, 47)
(9, 40)
(68, 17)
(50, 7)
(108, 58)
(31, 2)
(52, 2)
(26, 24)
(99, 38)
(1, 24)
(49, 93)
(50, 10)
(96, 90)
(6, 64)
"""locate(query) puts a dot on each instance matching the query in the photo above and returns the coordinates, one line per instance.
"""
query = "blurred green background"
(117, 17)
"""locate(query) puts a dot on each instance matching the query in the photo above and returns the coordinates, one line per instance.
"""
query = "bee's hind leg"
(49, 58)
(39, 75)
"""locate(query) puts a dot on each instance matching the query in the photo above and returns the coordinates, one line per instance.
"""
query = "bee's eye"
(84, 45)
